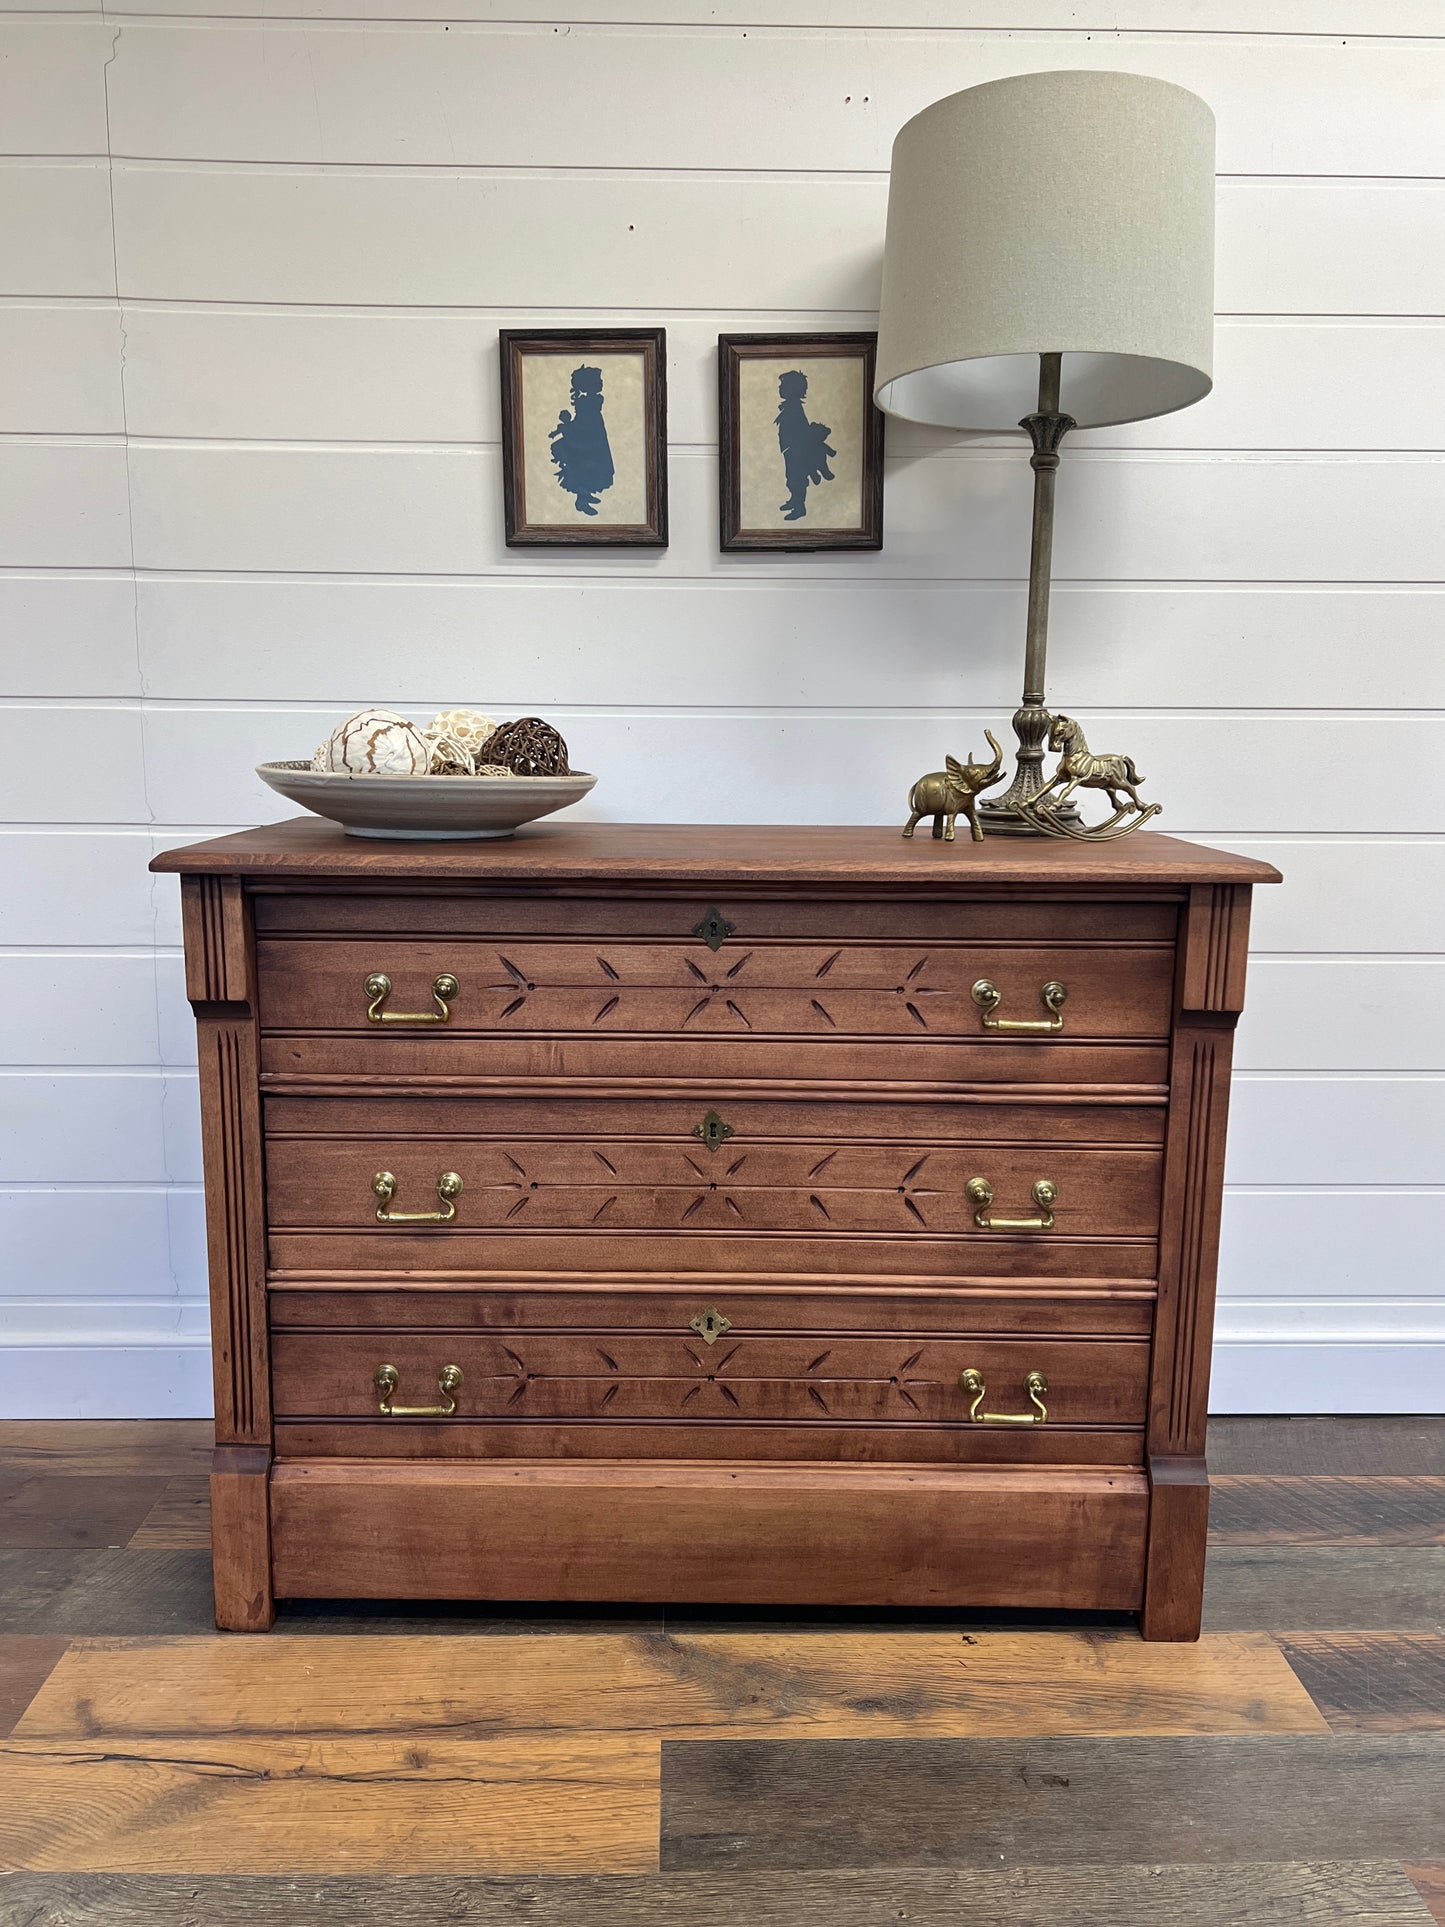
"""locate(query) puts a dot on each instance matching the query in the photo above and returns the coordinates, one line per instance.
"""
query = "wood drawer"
(799, 1373)
(771, 1007)
(831, 1188)
(753, 1377)
(1064, 916)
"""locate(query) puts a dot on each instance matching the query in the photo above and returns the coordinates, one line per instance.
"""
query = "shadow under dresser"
(791, 1215)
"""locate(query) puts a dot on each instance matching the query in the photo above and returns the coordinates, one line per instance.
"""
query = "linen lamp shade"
(1066, 213)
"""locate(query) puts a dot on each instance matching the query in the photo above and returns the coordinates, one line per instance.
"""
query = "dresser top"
(306, 846)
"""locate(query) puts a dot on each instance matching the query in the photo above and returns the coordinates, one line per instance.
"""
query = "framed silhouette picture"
(584, 437)
(800, 442)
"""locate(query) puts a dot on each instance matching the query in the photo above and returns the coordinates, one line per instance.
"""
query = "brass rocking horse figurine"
(1079, 768)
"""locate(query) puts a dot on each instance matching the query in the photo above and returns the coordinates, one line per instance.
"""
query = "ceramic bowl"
(431, 807)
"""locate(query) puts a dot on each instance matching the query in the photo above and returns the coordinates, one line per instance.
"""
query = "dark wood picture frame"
(651, 344)
(732, 351)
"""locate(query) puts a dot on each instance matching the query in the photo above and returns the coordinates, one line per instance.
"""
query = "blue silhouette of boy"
(804, 445)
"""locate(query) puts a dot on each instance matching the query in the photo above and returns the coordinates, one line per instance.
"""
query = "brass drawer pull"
(386, 1380)
(449, 1189)
(378, 989)
(971, 1382)
(988, 997)
(979, 1193)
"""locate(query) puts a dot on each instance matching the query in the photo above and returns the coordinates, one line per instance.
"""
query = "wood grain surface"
(1316, 1447)
(1373, 1682)
(180, 1517)
(1430, 1882)
(285, 1804)
(1324, 1588)
(694, 854)
(705, 1685)
(965, 1803)
(26, 1659)
(1263, 1509)
(1326, 1893)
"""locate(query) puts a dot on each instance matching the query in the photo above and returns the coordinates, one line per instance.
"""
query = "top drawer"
(767, 989)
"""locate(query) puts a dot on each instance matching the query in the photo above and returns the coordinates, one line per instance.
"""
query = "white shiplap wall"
(251, 273)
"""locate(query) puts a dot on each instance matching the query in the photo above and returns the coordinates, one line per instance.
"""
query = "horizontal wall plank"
(762, 767)
(98, 779)
(69, 635)
(1286, 1130)
(60, 371)
(55, 228)
(1314, 1243)
(1393, 887)
(65, 505)
(1019, 16)
(432, 376)
(786, 640)
(77, 887)
(417, 237)
(79, 1009)
(1367, 1014)
(468, 96)
(93, 1129)
(71, 1243)
(52, 85)
(1161, 517)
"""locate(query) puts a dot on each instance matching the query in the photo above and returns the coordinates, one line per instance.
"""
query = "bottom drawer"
(791, 1534)
(862, 1395)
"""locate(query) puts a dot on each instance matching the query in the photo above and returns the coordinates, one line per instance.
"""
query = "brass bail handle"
(979, 1193)
(449, 1189)
(386, 1380)
(378, 989)
(971, 1383)
(988, 997)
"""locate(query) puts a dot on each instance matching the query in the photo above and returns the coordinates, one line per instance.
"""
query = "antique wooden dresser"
(791, 1215)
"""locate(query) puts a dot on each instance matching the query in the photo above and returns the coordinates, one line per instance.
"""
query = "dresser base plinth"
(779, 1534)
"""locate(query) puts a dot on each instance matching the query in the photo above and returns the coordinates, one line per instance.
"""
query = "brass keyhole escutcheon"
(713, 1131)
(714, 928)
(710, 1325)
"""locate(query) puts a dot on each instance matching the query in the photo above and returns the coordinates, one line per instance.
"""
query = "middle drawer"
(1065, 1188)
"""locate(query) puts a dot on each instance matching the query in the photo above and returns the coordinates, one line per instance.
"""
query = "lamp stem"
(1047, 427)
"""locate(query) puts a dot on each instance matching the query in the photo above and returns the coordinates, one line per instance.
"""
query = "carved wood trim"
(1215, 944)
(219, 950)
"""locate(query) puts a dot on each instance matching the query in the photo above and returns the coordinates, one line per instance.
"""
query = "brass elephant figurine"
(944, 792)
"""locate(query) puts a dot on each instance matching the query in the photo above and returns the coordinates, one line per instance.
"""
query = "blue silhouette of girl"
(804, 445)
(581, 451)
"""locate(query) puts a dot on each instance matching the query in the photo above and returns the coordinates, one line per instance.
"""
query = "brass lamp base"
(1007, 815)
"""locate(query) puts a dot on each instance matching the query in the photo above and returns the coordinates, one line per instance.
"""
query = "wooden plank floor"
(628, 1767)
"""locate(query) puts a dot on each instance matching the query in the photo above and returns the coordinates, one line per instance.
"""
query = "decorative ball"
(493, 769)
(469, 727)
(528, 747)
(448, 756)
(375, 742)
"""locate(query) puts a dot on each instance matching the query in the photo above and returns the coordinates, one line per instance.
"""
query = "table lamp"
(1050, 265)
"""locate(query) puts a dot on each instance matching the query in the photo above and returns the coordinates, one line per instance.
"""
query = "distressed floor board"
(332, 1804)
(43, 1509)
(180, 1519)
(1373, 1682)
(1258, 1510)
(1327, 1894)
(1407, 1447)
(25, 1662)
(711, 1685)
(113, 1593)
(158, 1448)
(1325, 1588)
(751, 1805)
(1430, 1883)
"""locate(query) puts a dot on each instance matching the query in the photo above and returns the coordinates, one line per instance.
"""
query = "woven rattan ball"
(528, 747)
